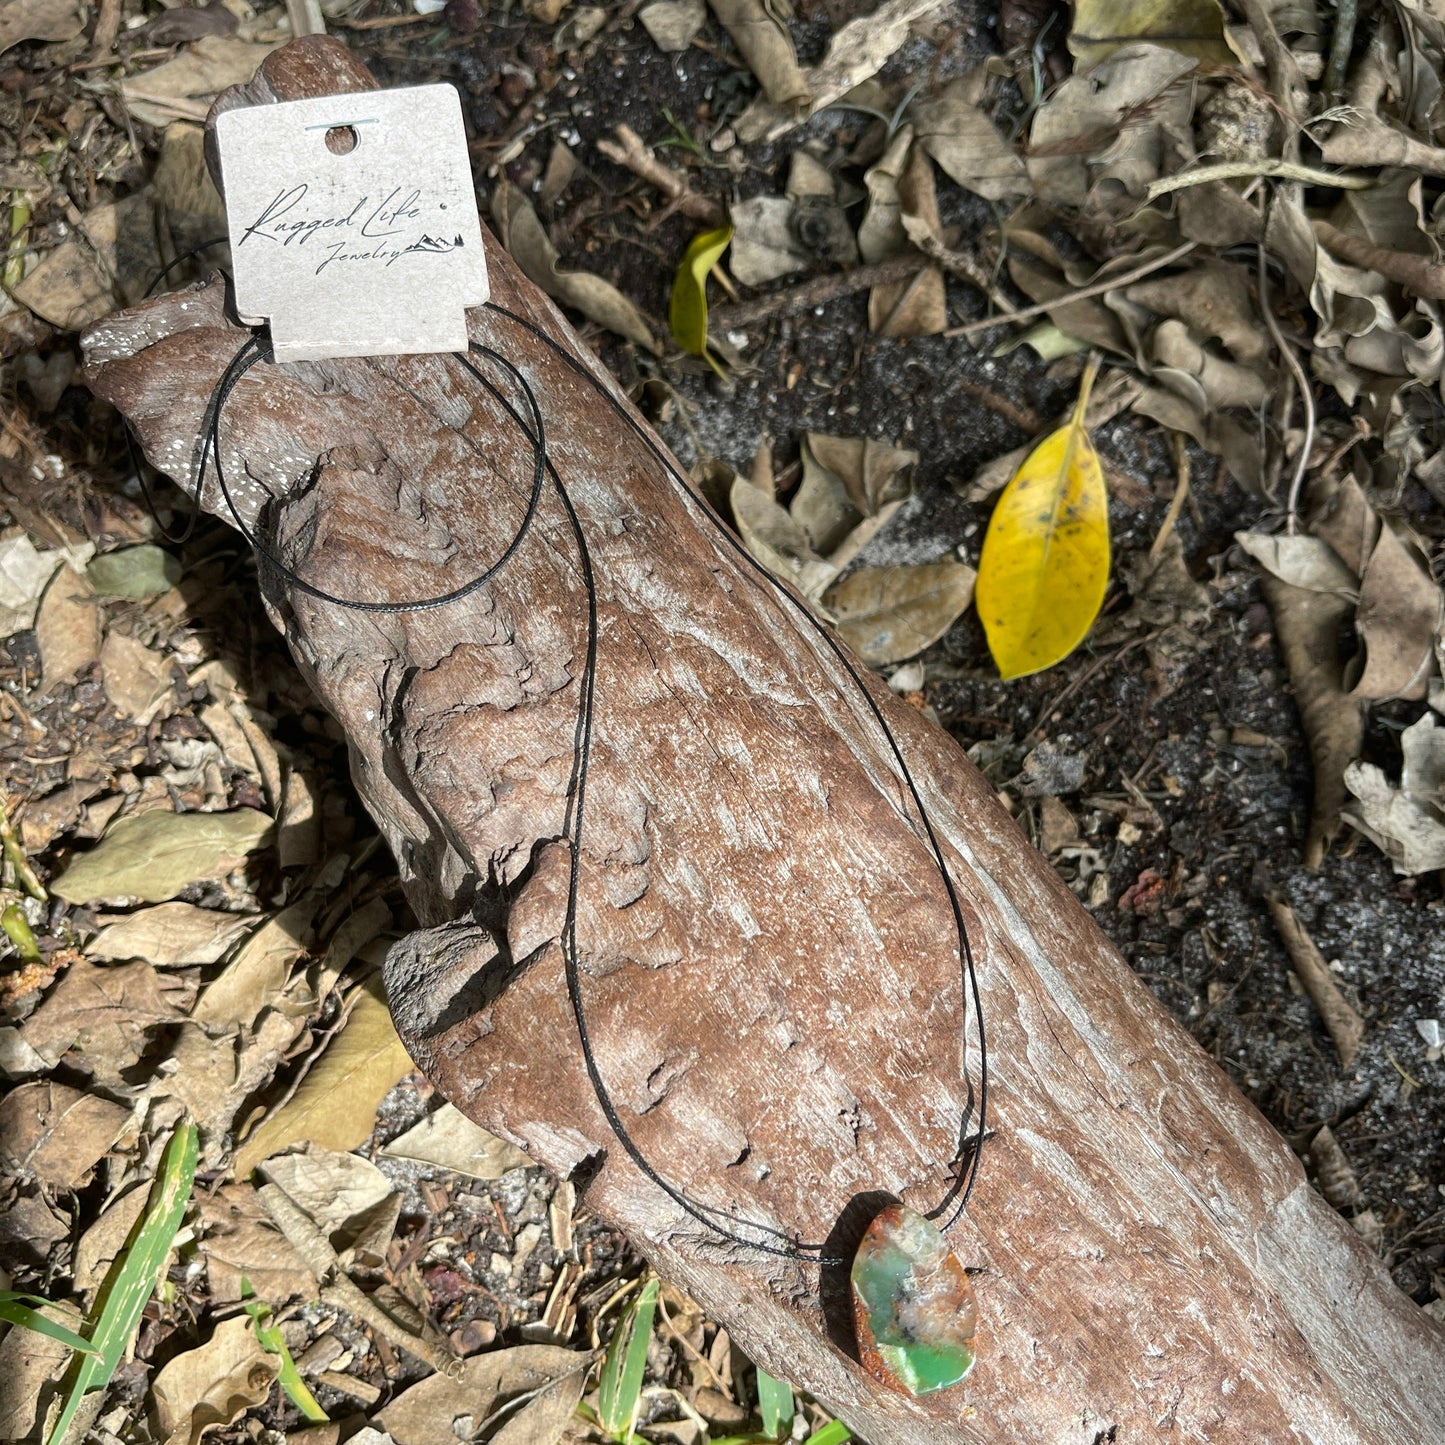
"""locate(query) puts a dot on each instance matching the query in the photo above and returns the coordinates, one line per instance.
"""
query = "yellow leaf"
(1045, 559)
(337, 1101)
(1192, 27)
(688, 312)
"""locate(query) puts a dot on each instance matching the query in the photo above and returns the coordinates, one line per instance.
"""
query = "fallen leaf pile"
(1252, 230)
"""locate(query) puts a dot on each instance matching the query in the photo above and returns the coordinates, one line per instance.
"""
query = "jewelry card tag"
(353, 222)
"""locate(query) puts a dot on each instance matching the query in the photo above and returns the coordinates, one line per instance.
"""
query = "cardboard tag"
(353, 222)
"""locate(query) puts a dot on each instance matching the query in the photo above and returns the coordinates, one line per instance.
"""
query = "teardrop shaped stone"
(913, 1307)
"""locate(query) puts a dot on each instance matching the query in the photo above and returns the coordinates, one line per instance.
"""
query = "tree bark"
(768, 955)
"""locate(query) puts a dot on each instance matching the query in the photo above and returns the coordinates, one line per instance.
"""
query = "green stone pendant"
(913, 1307)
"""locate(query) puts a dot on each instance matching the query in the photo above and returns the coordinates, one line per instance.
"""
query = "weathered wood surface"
(768, 953)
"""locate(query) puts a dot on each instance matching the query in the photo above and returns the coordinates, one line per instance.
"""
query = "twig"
(1096, 288)
(1271, 169)
(107, 27)
(338, 1289)
(629, 150)
(964, 267)
(1347, 12)
(1181, 491)
(1297, 370)
(1426, 278)
(1345, 1025)
(820, 291)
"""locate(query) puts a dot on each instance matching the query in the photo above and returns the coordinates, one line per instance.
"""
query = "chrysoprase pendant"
(913, 1306)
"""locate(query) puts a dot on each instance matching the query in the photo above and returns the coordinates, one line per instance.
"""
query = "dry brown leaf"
(24, 572)
(109, 264)
(337, 1101)
(1406, 823)
(764, 247)
(104, 1240)
(1210, 382)
(598, 300)
(1397, 620)
(137, 678)
(965, 143)
(1340, 515)
(186, 197)
(183, 87)
(67, 627)
(153, 855)
(170, 935)
(761, 34)
(239, 1238)
(347, 1197)
(39, 20)
(57, 1133)
(544, 1418)
(1083, 117)
(1213, 298)
(919, 305)
(777, 541)
(1302, 561)
(425, 1413)
(673, 24)
(45, 819)
(856, 53)
(1308, 626)
(104, 1014)
(887, 614)
(450, 1140)
(214, 1384)
(256, 977)
(881, 233)
(1347, 301)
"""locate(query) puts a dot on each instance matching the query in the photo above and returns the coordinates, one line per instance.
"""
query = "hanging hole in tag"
(341, 140)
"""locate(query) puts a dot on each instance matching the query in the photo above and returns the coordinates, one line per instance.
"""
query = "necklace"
(913, 1306)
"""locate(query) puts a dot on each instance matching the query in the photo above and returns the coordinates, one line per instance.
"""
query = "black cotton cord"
(725, 1223)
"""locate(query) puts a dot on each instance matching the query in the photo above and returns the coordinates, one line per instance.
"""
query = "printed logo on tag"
(353, 222)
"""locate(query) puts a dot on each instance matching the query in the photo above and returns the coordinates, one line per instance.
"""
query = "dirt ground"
(1192, 785)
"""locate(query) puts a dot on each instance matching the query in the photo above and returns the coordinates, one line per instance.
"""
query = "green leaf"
(15, 1309)
(688, 312)
(835, 1432)
(144, 571)
(620, 1386)
(132, 1278)
(274, 1341)
(153, 855)
(775, 1404)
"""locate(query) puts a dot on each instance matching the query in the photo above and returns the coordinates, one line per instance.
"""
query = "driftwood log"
(768, 955)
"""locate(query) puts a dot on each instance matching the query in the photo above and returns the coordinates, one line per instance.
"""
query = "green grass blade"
(16, 1309)
(835, 1432)
(620, 1386)
(133, 1276)
(775, 1404)
(273, 1341)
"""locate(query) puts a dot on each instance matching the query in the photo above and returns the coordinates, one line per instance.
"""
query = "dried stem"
(1426, 278)
(822, 290)
(630, 151)
(1095, 288)
(1286, 351)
